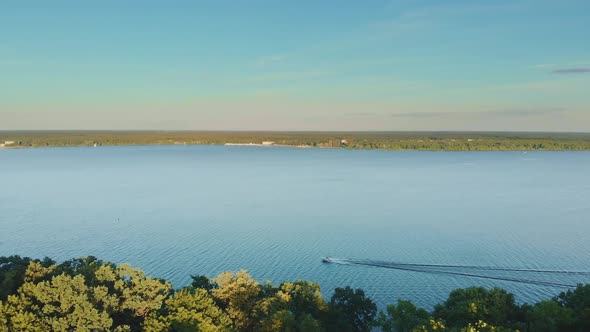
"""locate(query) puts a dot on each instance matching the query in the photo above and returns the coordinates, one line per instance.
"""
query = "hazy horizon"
(286, 131)
(506, 66)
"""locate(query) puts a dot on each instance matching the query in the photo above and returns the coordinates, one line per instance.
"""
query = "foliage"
(578, 301)
(202, 282)
(477, 304)
(351, 310)
(87, 294)
(550, 316)
(452, 141)
(293, 306)
(12, 273)
(189, 310)
(62, 304)
(237, 293)
(432, 325)
(402, 317)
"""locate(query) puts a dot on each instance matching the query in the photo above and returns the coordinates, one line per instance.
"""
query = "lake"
(180, 210)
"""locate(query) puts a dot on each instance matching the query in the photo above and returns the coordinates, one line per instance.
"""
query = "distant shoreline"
(283, 146)
(397, 141)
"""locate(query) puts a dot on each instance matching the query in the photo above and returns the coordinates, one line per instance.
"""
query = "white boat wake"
(472, 271)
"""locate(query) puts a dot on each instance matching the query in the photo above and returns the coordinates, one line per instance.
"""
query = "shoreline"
(289, 146)
(393, 141)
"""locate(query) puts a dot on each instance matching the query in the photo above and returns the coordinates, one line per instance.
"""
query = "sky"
(508, 65)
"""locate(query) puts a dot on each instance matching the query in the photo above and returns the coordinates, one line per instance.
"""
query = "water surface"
(180, 210)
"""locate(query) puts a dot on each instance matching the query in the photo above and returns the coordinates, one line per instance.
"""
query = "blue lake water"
(180, 210)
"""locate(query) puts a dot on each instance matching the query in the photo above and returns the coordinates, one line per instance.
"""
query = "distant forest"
(432, 141)
(87, 294)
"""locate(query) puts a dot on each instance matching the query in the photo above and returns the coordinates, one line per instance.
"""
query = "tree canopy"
(87, 294)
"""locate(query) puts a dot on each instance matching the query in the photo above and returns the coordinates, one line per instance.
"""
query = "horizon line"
(283, 131)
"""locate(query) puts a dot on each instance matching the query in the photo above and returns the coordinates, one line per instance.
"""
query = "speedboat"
(327, 260)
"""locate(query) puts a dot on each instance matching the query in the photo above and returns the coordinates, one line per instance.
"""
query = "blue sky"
(295, 65)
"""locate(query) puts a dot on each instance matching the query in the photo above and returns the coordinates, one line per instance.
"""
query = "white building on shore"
(6, 143)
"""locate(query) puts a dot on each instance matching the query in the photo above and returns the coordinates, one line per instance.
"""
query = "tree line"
(88, 294)
(433, 141)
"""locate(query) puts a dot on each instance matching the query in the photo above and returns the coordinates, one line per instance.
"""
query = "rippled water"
(181, 210)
